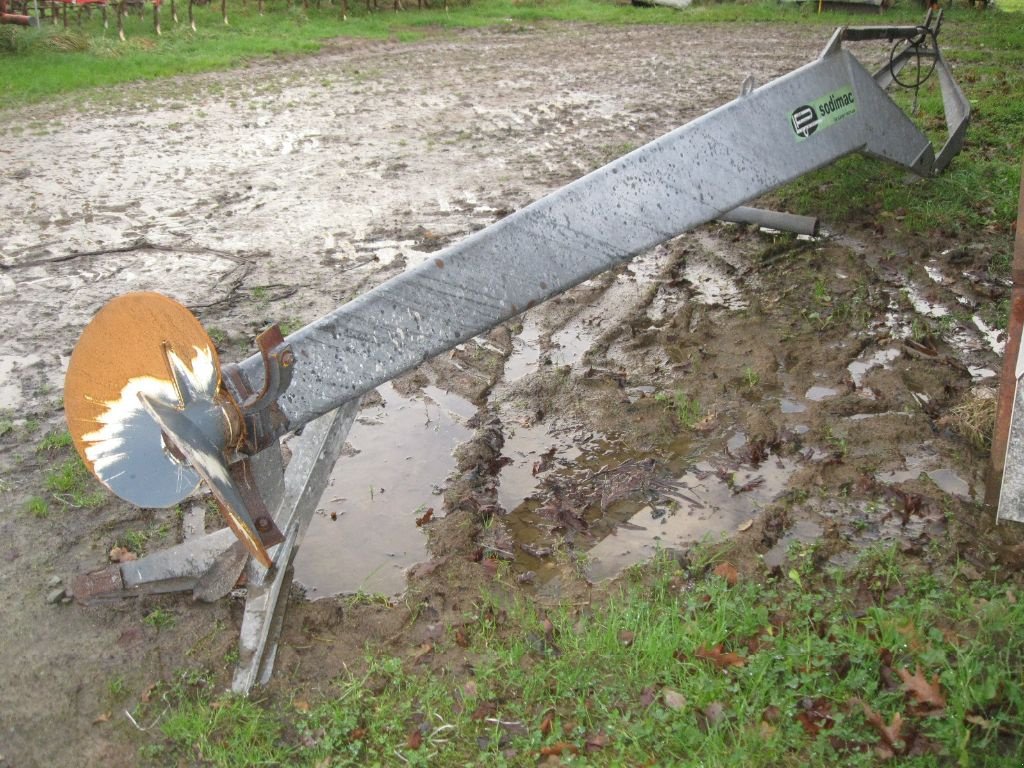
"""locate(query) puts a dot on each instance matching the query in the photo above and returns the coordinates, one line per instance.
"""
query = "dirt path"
(727, 380)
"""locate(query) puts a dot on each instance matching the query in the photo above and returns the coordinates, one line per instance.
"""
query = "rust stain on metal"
(125, 341)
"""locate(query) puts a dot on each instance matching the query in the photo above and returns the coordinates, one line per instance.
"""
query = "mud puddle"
(364, 534)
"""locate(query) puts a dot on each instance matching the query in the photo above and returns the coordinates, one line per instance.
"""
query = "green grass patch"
(71, 485)
(40, 63)
(676, 667)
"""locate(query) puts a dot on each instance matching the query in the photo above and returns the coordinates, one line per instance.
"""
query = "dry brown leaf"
(101, 718)
(728, 572)
(415, 739)
(891, 734)
(422, 652)
(673, 699)
(718, 657)
(745, 526)
(647, 696)
(484, 710)
(425, 518)
(596, 741)
(927, 694)
(301, 705)
(547, 722)
(559, 748)
(461, 639)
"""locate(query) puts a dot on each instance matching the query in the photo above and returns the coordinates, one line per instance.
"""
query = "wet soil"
(731, 384)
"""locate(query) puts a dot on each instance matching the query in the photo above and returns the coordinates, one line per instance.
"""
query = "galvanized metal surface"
(314, 455)
(689, 176)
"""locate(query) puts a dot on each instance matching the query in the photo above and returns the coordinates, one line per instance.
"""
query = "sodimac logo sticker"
(808, 119)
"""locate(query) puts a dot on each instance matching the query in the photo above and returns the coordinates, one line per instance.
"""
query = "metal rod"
(784, 222)
(1008, 379)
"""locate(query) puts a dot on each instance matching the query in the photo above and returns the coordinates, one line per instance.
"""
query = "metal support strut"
(707, 169)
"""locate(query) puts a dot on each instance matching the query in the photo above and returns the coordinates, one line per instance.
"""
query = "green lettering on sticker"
(808, 119)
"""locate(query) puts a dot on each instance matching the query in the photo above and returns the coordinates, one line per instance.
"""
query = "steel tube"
(784, 222)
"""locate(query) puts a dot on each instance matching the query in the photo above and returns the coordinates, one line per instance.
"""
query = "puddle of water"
(791, 406)
(995, 338)
(525, 446)
(946, 479)
(525, 353)
(860, 367)
(570, 344)
(802, 531)
(817, 394)
(710, 504)
(402, 454)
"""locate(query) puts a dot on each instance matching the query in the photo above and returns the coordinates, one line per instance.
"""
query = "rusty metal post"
(1008, 380)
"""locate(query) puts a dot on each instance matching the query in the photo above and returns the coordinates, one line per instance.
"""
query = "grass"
(71, 484)
(676, 667)
(41, 63)
(977, 194)
(687, 409)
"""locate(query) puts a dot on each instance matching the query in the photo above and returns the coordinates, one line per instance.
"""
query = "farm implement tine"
(313, 380)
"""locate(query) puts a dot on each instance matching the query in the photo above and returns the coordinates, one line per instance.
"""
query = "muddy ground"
(732, 383)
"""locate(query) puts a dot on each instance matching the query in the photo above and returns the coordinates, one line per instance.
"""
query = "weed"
(72, 485)
(54, 441)
(290, 325)
(37, 507)
(820, 293)
(159, 619)
(751, 377)
(218, 336)
(116, 688)
(687, 410)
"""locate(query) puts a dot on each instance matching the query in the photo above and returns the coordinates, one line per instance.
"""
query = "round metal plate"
(127, 350)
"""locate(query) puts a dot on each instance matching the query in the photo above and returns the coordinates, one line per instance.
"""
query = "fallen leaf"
(710, 716)
(559, 748)
(925, 693)
(483, 710)
(122, 555)
(425, 517)
(647, 696)
(673, 700)
(745, 526)
(597, 741)
(101, 718)
(546, 723)
(718, 657)
(301, 705)
(415, 739)
(147, 693)
(461, 639)
(815, 715)
(422, 652)
(626, 637)
(728, 572)
(891, 734)
(357, 734)
(978, 720)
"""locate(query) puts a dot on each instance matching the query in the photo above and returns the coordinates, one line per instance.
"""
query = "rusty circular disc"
(122, 353)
